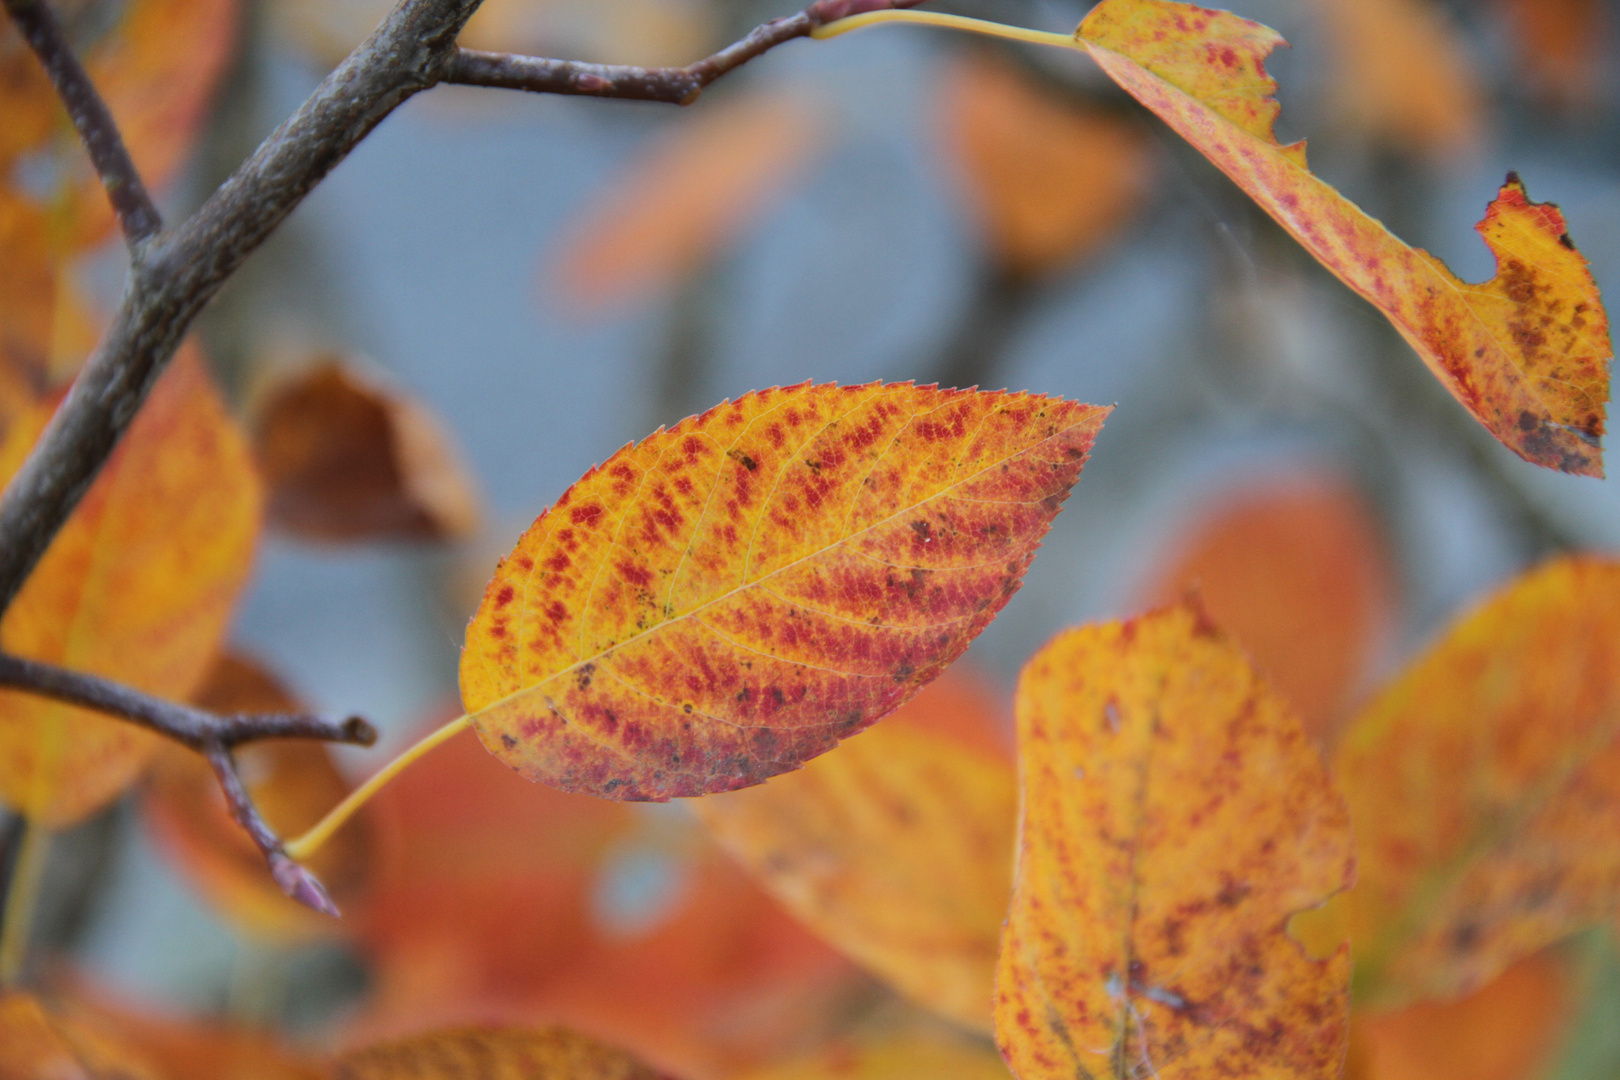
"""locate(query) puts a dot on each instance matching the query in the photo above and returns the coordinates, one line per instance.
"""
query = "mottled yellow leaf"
(1485, 787)
(1174, 817)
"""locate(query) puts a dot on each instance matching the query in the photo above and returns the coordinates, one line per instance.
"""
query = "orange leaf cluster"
(1527, 352)
(730, 598)
(136, 587)
(1174, 817)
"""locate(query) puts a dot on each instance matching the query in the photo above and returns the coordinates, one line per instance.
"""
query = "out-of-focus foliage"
(138, 586)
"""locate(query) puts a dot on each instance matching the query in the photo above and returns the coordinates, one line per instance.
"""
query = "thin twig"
(40, 28)
(294, 880)
(185, 724)
(670, 85)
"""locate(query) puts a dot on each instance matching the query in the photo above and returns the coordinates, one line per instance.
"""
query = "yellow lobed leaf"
(138, 587)
(710, 178)
(473, 1054)
(896, 847)
(1050, 182)
(1485, 784)
(903, 1058)
(1527, 352)
(730, 598)
(1174, 818)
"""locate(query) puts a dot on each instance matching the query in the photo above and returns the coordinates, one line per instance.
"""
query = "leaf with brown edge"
(729, 598)
(907, 1057)
(1297, 570)
(292, 782)
(493, 1054)
(1485, 783)
(1050, 182)
(37, 1044)
(710, 177)
(897, 847)
(1506, 1030)
(347, 457)
(1174, 817)
(1527, 352)
(138, 587)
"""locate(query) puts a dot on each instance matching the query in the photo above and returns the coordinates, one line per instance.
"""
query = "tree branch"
(185, 724)
(182, 269)
(94, 122)
(671, 85)
(295, 881)
(209, 734)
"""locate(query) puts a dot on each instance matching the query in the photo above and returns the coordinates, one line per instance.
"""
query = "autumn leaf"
(1526, 352)
(1401, 73)
(728, 599)
(347, 457)
(486, 910)
(905, 1058)
(712, 176)
(1504, 1031)
(291, 782)
(137, 587)
(1174, 819)
(897, 848)
(1048, 181)
(472, 1054)
(37, 1045)
(1297, 571)
(1484, 784)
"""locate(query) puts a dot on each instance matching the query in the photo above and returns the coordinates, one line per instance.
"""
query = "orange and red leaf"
(728, 599)
(1527, 352)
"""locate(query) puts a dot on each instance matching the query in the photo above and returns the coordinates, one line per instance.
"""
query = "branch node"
(300, 884)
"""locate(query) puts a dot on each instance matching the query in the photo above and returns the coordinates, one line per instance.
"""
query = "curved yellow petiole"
(306, 845)
(953, 22)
